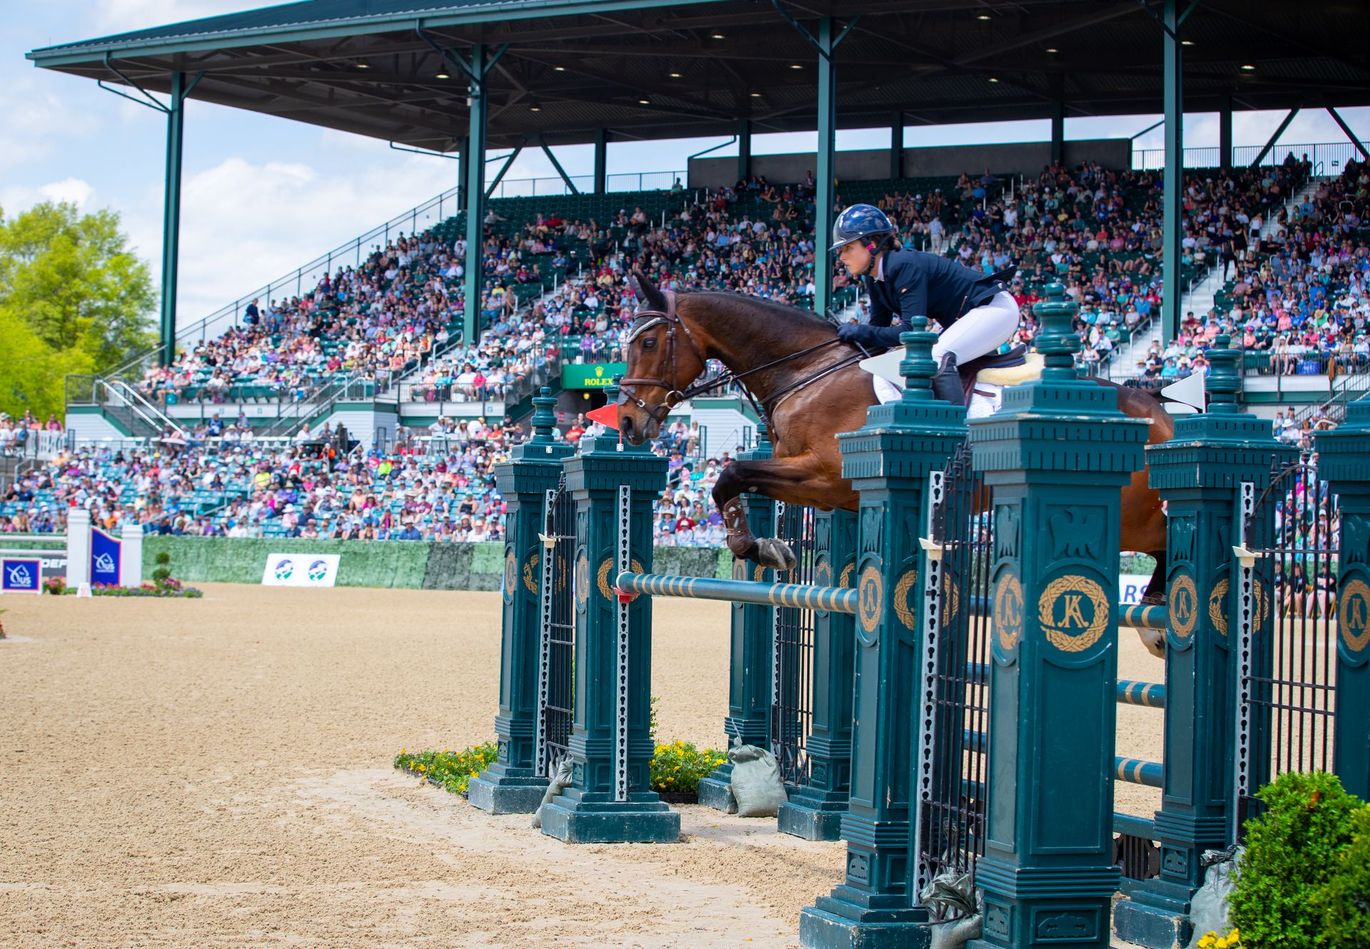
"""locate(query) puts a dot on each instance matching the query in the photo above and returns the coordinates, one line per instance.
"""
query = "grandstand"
(445, 320)
(239, 437)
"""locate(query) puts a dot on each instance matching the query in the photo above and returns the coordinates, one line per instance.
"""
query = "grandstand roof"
(654, 69)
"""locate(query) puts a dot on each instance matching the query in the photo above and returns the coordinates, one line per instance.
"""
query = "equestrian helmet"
(859, 222)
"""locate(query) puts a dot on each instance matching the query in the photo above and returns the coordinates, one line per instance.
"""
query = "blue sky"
(264, 195)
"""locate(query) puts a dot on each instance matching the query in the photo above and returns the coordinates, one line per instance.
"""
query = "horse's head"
(663, 359)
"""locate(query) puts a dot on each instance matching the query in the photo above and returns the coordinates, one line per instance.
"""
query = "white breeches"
(982, 330)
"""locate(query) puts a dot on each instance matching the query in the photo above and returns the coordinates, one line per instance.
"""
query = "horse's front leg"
(792, 480)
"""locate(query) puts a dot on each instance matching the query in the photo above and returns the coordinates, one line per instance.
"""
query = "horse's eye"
(649, 343)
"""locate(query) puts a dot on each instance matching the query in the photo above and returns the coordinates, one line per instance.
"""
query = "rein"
(675, 396)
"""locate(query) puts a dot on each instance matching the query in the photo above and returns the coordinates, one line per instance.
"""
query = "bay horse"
(810, 388)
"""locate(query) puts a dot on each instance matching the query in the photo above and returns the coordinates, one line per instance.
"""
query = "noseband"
(653, 319)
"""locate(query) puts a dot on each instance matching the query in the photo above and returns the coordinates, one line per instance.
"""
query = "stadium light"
(1052, 49)
(675, 75)
(558, 69)
(795, 66)
(983, 16)
(1186, 42)
(535, 108)
(644, 101)
(442, 75)
(1247, 67)
(756, 95)
(717, 36)
(993, 79)
(363, 66)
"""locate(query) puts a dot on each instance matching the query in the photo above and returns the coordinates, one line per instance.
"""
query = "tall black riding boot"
(946, 385)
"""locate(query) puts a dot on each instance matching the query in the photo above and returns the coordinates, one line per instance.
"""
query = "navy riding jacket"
(920, 284)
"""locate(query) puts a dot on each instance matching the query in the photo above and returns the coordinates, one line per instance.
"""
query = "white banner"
(1131, 586)
(301, 570)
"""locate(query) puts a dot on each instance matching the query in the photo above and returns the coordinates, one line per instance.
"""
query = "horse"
(810, 388)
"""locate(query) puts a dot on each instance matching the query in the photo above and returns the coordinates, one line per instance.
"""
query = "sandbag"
(756, 783)
(1208, 908)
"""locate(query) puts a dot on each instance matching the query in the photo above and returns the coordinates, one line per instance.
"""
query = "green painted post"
(824, 198)
(749, 669)
(1055, 457)
(1173, 182)
(1199, 473)
(610, 799)
(814, 811)
(888, 460)
(475, 195)
(514, 784)
(171, 218)
(1342, 455)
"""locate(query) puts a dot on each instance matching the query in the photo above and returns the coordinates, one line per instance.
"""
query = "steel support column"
(475, 195)
(1058, 132)
(1172, 209)
(171, 218)
(1346, 130)
(744, 149)
(601, 159)
(897, 145)
(463, 156)
(1225, 135)
(823, 173)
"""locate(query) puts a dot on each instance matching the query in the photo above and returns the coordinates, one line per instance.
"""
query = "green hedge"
(406, 564)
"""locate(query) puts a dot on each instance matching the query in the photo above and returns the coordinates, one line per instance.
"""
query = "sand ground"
(217, 773)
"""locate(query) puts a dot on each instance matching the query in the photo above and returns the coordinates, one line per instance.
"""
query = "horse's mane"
(772, 309)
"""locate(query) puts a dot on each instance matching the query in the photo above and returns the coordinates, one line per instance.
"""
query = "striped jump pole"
(797, 595)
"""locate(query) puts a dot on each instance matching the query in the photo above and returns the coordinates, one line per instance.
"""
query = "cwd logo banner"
(104, 558)
(301, 570)
(21, 575)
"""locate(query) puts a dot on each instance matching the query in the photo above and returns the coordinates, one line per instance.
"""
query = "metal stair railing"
(321, 400)
(120, 394)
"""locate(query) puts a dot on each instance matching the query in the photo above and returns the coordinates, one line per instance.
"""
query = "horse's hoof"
(776, 554)
(1154, 641)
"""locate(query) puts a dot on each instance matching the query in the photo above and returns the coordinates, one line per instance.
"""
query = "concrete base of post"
(497, 792)
(576, 817)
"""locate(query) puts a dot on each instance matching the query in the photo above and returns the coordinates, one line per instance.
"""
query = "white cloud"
(17, 199)
(244, 224)
(36, 119)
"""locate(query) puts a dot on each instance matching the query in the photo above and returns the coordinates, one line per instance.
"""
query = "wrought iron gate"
(556, 649)
(1287, 665)
(793, 653)
(953, 684)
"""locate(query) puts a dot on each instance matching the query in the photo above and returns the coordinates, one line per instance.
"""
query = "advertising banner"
(301, 570)
(104, 558)
(21, 575)
(595, 375)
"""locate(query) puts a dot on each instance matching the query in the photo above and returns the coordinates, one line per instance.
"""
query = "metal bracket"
(1179, 20)
(932, 548)
(422, 151)
(151, 100)
(813, 40)
(476, 81)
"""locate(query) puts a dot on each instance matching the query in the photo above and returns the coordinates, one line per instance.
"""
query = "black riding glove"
(871, 337)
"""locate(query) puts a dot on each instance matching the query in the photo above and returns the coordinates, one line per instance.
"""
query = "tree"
(34, 373)
(73, 281)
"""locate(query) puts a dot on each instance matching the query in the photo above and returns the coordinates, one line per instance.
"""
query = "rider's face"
(855, 257)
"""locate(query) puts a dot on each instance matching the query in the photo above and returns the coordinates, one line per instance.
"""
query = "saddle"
(998, 369)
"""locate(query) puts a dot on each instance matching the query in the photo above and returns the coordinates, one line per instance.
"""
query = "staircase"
(134, 414)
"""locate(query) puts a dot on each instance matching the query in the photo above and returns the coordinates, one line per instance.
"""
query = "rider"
(976, 311)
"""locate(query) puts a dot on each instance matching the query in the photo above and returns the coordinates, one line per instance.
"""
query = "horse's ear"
(646, 291)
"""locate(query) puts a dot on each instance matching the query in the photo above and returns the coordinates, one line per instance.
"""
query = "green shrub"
(452, 770)
(163, 559)
(679, 766)
(1344, 902)
(1292, 851)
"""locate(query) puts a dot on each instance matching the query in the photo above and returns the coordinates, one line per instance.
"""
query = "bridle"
(646, 319)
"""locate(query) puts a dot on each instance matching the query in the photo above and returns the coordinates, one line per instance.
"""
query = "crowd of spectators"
(1298, 295)
(16, 434)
